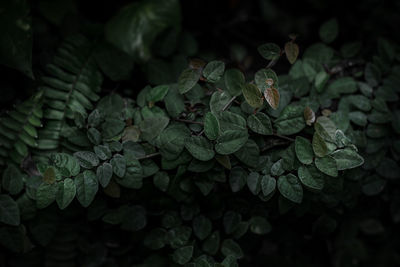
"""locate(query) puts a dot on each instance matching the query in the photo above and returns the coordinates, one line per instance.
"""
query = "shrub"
(216, 168)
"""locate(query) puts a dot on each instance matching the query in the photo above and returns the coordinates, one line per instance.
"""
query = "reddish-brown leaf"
(292, 51)
(272, 97)
(309, 116)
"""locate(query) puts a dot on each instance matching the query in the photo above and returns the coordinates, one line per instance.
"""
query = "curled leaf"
(309, 116)
(272, 97)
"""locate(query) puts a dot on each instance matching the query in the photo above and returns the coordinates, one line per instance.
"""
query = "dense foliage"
(211, 164)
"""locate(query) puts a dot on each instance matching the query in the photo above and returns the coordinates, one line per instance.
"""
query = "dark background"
(217, 25)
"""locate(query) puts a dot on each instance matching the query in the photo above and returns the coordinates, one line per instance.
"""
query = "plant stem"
(189, 121)
(227, 104)
(284, 137)
(149, 156)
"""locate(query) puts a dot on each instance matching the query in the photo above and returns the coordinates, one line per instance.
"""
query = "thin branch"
(189, 121)
(149, 156)
(227, 104)
(284, 137)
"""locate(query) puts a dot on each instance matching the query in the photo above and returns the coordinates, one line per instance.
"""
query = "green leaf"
(327, 165)
(155, 239)
(230, 141)
(266, 78)
(359, 118)
(183, 255)
(188, 79)
(202, 227)
(252, 95)
(214, 70)
(361, 102)
(211, 244)
(249, 153)
(174, 102)
(103, 152)
(372, 74)
(231, 248)
(260, 225)
(172, 140)
(260, 123)
(329, 31)
(86, 187)
(67, 161)
(320, 81)
(211, 126)
(291, 120)
(157, 93)
(137, 25)
(104, 173)
(269, 51)
(112, 127)
(347, 159)
(66, 193)
(319, 146)
(118, 163)
(200, 148)
(268, 185)
(344, 85)
(46, 194)
(218, 101)
(16, 44)
(254, 182)
(161, 181)
(87, 159)
(304, 150)
(152, 127)
(231, 121)
(325, 128)
(289, 186)
(9, 211)
(310, 178)
(12, 180)
(237, 179)
(234, 81)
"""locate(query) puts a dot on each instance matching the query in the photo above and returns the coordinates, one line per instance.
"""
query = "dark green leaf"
(230, 141)
(304, 150)
(104, 173)
(86, 187)
(329, 31)
(200, 148)
(327, 165)
(9, 211)
(214, 70)
(289, 186)
(260, 123)
(211, 126)
(66, 193)
(269, 51)
(234, 81)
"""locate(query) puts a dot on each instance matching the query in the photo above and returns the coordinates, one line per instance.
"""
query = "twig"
(227, 104)
(189, 121)
(284, 137)
(149, 156)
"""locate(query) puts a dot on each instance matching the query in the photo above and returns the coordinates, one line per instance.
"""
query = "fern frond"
(70, 87)
(18, 130)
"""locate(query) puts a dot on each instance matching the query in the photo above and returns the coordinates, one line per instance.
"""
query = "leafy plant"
(201, 168)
